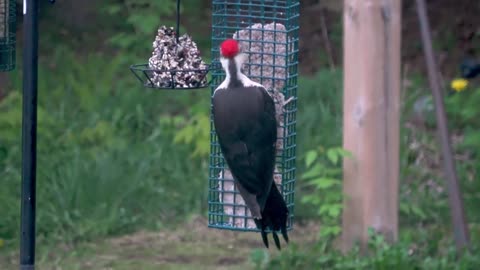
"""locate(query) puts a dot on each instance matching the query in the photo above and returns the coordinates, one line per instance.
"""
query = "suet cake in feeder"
(175, 62)
(180, 56)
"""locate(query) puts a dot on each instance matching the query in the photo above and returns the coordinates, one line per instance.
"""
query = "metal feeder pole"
(29, 134)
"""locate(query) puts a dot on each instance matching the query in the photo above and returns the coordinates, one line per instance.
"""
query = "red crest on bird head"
(229, 48)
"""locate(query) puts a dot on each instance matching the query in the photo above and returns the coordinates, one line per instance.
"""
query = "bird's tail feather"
(274, 217)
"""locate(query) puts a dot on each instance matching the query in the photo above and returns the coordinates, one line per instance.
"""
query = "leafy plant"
(195, 131)
(143, 17)
(320, 110)
(323, 175)
(463, 113)
(405, 255)
(106, 162)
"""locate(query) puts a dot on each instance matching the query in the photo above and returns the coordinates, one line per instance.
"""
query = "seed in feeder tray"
(174, 62)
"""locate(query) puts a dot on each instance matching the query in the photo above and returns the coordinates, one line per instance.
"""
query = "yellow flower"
(459, 84)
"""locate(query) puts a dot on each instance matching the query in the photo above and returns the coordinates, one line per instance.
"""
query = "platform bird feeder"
(176, 62)
(7, 34)
(267, 31)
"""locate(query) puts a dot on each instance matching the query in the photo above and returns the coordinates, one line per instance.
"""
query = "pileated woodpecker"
(245, 123)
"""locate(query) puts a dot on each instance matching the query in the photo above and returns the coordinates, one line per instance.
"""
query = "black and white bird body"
(246, 126)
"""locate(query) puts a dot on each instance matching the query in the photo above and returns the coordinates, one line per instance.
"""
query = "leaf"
(333, 172)
(122, 40)
(324, 209)
(332, 155)
(323, 182)
(114, 9)
(184, 135)
(312, 199)
(310, 157)
(419, 212)
(179, 120)
(405, 208)
(145, 23)
(334, 211)
(326, 231)
(315, 171)
(344, 153)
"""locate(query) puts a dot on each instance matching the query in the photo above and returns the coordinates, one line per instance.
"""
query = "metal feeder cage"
(268, 33)
(7, 34)
(149, 75)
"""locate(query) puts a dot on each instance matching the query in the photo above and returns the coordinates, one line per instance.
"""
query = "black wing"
(247, 131)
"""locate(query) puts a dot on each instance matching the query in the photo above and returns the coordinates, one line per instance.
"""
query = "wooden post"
(372, 37)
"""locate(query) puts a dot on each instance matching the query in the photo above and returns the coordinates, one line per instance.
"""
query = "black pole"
(178, 20)
(460, 227)
(29, 135)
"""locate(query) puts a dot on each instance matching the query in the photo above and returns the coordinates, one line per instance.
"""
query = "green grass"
(106, 161)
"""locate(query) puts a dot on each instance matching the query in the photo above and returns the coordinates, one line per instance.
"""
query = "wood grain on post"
(372, 40)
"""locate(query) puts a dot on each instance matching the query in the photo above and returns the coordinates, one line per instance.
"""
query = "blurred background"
(122, 171)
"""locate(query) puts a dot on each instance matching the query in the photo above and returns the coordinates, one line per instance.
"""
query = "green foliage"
(421, 245)
(323, 175)
(259, 258)
(197, 132)
(319, 122)
(423, 194)
(463, 113)
(402, 256)
(320, 110)
(143, 17)
(113, 157)
(106, 162)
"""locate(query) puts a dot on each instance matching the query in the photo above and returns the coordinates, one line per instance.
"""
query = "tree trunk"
(372, 37)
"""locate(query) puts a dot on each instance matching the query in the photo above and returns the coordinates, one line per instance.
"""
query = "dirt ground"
(191, 246)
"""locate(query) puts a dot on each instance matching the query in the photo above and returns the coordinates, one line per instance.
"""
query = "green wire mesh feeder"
(7, 34)
(267, 31)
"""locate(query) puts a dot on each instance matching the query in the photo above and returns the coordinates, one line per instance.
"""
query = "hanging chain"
(178, 20)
